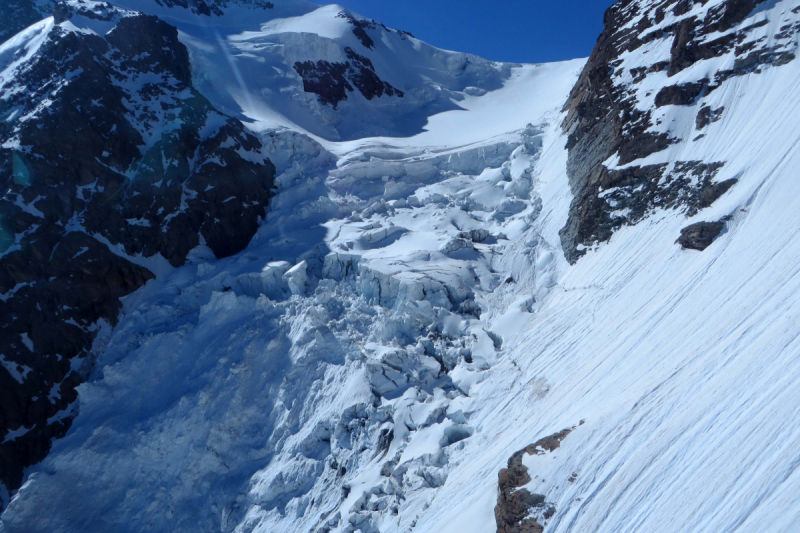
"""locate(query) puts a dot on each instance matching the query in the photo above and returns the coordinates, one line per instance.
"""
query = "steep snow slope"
(406, 321)
(683, 364)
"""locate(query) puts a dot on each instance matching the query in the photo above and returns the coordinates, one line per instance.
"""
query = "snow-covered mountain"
(435, 293)
(322, 70)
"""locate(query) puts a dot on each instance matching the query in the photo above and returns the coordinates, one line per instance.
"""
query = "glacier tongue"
(326, 378)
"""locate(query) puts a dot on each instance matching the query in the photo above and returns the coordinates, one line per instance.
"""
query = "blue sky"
(525, 31)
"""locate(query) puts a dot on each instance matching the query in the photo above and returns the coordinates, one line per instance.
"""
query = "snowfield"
(405, 320)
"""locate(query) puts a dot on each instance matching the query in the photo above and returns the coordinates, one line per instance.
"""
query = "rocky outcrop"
(360, 28)
(109, 157)
(629, 194)
(700, 235)
(611, 125)
(331, 81)
(684, 94)
(517, 508)
(706, 116)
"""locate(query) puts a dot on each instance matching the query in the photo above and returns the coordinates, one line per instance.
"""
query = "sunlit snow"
(252, 394)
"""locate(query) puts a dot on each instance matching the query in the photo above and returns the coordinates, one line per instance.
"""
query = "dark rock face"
(516, 505)
(604, 121)
(680, 94)
(360, 28)
(325, 79)
(332, 81)
(706, 116)
(107, 144)
(699, 236)
(630, 194)
(364, 78)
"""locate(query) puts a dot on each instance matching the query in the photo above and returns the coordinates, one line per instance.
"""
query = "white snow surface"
(258, 393)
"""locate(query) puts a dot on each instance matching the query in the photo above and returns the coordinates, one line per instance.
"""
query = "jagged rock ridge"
(332, 81)
(212, 7)
(616, 116)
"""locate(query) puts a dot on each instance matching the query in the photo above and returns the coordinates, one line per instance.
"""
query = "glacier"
(405, 318)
